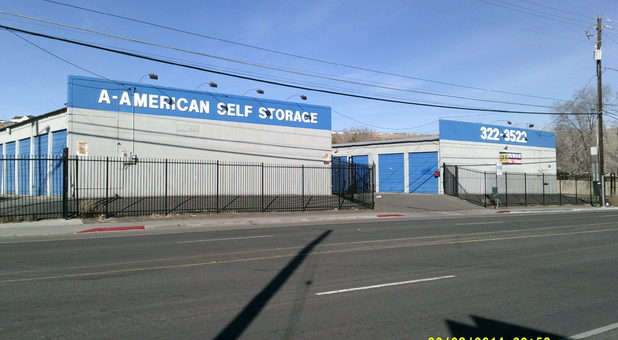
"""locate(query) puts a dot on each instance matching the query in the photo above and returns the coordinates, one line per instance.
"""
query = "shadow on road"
(235, 328)
(487, 328)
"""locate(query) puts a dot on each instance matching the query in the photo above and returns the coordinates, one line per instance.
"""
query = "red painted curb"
(96, 230)
(502, 211)
(391, 215)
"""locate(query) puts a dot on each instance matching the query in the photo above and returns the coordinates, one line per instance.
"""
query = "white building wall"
(484, 156)
(111, 133)
(373, 151)
(538, 163)
(30, 129)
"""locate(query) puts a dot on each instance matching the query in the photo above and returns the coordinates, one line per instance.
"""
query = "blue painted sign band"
(108, 95)
(495, 134)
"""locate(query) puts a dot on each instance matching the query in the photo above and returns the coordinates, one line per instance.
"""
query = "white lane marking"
(479, 223)
(594, 332)
(385, 285)
(225, 239)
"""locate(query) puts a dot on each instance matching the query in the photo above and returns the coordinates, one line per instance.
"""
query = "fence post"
(559, 189)
(262, 166)
(106, 186)
(456, 181)
(591, 183)
(575, 190)
(65, 183)
(506, 190)
(373, 185)
(217, 185)
(166, 205)
(77, 185)
(525, 189)
(543, 183)
(485, 190)
(302, 178)
(339, 202)
(444, 178)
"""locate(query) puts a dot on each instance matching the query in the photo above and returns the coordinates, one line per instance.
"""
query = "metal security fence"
(522, 189)
(65, 187)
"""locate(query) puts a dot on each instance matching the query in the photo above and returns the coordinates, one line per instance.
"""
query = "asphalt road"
(525, 275)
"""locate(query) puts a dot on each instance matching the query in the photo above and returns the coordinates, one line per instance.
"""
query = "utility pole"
(600, 158)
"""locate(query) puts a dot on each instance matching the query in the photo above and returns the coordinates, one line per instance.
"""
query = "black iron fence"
(522, 189)
(69, 186)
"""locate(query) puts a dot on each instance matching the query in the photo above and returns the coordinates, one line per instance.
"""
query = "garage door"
(361, 173)
(40, 165)
(9, 155)
(340, 171)
(59, 142)
(422, 166)
(390, 171)
(24, 167)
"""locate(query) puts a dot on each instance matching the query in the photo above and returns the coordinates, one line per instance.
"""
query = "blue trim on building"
(107, 95)
(495, 134)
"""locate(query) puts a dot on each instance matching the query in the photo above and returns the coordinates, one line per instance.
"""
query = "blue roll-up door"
(9, 155)
(340, 178)
(59, 142)
(40, 164)
(23, 171)
(390, 171)
(361, 173)
(364, 160)
(422, 167)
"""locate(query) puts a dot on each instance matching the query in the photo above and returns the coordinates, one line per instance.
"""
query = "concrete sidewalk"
(254, 220)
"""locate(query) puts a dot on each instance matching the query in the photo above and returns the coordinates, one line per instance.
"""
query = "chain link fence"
(523, 189)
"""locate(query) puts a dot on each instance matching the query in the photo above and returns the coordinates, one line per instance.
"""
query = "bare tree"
(576, 133)
(362, 134)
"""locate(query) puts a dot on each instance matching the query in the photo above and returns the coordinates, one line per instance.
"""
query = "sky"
(425, 51)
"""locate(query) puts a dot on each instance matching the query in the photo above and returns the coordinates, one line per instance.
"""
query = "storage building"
(134, 121)
(415, 165)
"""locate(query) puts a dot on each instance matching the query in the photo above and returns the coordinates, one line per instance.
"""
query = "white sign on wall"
(81, 148)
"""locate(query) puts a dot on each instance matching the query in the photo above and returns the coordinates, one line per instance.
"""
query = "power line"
(57, 56)
(573, 101)
(275, 68)
(163, 61)
(611, 39)
(481, 19)
(382, 127)
(527, 10)
(558, 9)
(299, 56)
(291, 81)
(101, 76)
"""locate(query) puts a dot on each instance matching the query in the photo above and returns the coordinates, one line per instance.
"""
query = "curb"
(96, 230)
